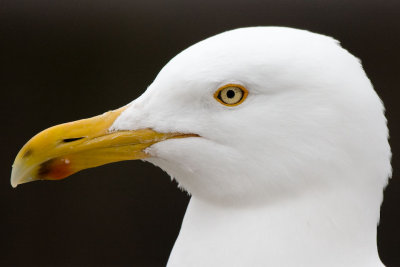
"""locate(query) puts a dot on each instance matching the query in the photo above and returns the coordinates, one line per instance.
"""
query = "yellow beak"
(65, 149)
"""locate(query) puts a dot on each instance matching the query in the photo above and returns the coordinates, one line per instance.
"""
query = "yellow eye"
(231, 94)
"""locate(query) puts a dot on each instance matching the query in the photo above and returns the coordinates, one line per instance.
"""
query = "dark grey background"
(66, 60)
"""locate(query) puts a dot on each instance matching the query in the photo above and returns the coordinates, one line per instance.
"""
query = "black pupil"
(230, 93)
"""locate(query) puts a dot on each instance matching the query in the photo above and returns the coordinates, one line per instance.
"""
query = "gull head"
(249, 115)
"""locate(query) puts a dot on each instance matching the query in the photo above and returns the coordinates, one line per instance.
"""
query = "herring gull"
(277, 134)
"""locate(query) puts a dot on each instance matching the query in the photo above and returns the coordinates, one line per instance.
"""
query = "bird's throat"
(308, 231)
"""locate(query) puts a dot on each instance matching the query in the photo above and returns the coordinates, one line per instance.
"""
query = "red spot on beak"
(55, 169)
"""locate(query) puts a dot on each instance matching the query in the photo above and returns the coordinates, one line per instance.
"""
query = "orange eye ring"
(231, 94)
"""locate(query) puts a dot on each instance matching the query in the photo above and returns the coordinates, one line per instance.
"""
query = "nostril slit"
(72, 139)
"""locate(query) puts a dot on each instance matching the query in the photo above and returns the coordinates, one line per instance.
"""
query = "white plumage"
(294, 175)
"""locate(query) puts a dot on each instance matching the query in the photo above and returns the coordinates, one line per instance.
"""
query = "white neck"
(334, 228)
